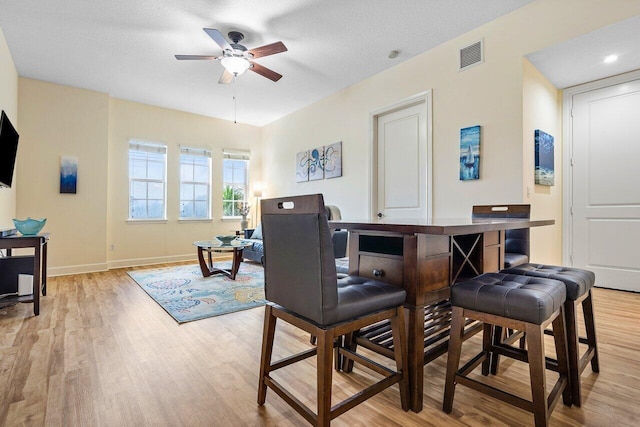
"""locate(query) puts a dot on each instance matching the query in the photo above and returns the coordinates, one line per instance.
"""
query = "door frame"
(425, 98)
(567, 153)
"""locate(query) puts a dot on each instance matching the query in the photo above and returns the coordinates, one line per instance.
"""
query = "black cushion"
(514, 259)
(358, 296)
(530, 299)
(577, 280)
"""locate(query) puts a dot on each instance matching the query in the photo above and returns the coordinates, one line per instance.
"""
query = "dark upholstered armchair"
(303, 289)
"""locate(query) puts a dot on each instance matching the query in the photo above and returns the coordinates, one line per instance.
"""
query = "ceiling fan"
(236, 58)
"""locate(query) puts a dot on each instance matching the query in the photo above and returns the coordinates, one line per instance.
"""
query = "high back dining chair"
(302, 288)
(516, 250)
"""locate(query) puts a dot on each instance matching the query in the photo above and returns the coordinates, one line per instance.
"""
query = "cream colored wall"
(60, 120)
(490, 95)
(542, 110)
(136, 243)
(8, 103)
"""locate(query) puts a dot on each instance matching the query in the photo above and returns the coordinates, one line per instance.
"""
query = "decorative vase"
(244, 224)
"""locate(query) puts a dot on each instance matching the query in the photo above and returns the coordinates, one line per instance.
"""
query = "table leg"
(44, 268)
(37, 284)
(237, 259)
(203, 265)
(415, 349)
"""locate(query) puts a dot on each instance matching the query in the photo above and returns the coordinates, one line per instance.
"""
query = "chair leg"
(401, 356)
(573, 351)
(590, 326)
(498, 334)
(350, 343)
(535, 344)
(268, 334)
(453, 358)
(325, 371)
(487, 338)
(560, 340)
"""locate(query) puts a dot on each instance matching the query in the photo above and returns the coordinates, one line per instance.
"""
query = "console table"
(39, 244)
(425, 257)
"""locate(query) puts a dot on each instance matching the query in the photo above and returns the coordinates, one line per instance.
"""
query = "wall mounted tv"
(8, 149)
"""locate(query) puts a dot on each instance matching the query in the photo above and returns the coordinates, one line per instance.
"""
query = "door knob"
(380, 214)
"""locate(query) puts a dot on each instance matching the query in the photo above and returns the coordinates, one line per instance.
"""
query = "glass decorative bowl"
(29, 226)
(226, 240)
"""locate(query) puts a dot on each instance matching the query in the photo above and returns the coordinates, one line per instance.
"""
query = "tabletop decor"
(29, 226)
(183, 293)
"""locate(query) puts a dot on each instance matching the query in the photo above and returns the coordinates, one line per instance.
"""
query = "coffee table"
(211, 246)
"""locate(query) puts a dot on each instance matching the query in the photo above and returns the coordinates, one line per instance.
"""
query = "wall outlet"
(113, 247)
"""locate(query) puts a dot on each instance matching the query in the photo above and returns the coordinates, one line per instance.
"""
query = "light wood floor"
(103, 353)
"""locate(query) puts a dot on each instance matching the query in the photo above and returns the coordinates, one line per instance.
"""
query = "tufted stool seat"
(510, 301)
(578, 283)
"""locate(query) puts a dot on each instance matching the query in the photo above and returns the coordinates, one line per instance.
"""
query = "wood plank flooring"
(103, 353)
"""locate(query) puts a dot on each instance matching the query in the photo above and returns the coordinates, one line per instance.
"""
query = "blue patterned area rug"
(187, 296)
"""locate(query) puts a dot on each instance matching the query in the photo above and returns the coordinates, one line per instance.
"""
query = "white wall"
(136, 243)
(8, 103)
(490, 95)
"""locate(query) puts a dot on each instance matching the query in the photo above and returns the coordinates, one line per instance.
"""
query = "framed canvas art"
(544, 158)
(333, 160)
(470, 153)
(68, 174)
(316, 164)
(302, 166)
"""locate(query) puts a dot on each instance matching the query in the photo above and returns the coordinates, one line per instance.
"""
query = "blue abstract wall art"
(470, 153)
(68, 174)
(544, 152)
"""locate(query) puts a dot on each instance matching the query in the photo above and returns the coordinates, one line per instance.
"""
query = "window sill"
(185, 220)
(231, 218)
(146, 221)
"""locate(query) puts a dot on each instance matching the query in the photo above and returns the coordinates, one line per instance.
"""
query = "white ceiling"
(126, 48)
(579, 60)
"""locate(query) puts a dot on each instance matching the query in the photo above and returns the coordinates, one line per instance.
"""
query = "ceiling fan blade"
(265, 72)
(218, 38)
(181, 57)
(268, 49)
(225, 78)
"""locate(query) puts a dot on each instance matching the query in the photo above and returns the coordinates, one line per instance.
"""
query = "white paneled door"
(605, 177)
(402, 167)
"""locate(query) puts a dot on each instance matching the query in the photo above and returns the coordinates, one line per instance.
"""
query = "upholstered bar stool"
(517, 302)
(579, 284)
(302, 288)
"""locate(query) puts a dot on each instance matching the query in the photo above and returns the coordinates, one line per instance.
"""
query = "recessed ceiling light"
(610, 58)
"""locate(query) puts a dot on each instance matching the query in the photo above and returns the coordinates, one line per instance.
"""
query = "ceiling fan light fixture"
(235, 65)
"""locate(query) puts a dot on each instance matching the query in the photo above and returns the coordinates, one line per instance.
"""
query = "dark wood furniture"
(515, 302)
(39, 244)
(303, 290)
(211, 246)
(425, 257)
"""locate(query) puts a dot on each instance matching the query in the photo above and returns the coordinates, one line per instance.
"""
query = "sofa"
(255, 252)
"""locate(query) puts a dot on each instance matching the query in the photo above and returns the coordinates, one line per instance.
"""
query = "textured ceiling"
(126, 48)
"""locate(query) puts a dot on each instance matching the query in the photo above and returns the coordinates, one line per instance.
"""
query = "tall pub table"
(39, 244)
(425, 257)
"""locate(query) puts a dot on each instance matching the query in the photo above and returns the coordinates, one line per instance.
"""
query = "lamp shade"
(235, 65)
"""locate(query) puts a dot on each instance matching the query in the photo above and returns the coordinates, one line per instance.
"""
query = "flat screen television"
(8, 150)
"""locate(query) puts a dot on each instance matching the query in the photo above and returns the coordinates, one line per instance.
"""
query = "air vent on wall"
(471, 55)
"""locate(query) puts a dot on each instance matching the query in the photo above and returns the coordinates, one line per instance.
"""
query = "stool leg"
(325, 372)
(573, 351)
(498, 334)
(535, 344)
(560, 339)
(453, 358)
(267, 350)
(487, 338)
(350, 343)
(590, 326)
(401, 356)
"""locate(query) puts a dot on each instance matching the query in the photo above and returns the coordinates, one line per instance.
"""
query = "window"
(147, 184)
(235, 181)
(195, 183)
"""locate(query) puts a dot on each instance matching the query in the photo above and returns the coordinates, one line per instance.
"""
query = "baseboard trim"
(76, 269)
